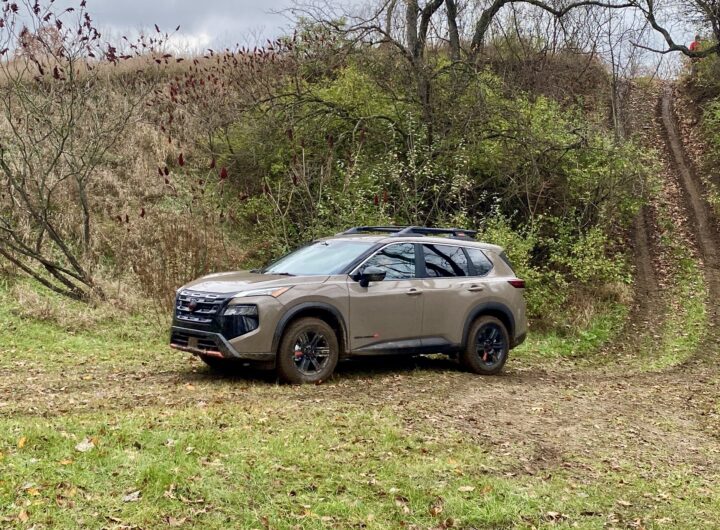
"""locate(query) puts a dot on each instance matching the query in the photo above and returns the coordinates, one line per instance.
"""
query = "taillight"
(518, 284)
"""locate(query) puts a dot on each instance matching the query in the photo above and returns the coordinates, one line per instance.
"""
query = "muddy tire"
(487, 347)
(308, 353)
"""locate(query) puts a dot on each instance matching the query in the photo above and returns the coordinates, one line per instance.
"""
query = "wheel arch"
(493, 309)
(329, 314)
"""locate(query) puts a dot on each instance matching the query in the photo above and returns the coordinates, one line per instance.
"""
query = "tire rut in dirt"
(649, 306)
(699, 212)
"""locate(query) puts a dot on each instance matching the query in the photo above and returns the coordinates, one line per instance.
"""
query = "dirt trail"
(649, 307)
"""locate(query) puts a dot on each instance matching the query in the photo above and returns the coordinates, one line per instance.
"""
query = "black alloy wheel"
(309, 351)
(487, 347)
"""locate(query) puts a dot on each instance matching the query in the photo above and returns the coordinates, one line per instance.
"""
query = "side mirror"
(370, 274)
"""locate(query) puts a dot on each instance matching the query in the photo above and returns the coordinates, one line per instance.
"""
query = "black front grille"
(188, 339)
(204, 312)
(199, 308)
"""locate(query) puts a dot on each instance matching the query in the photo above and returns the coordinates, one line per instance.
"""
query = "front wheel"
(308, 352)
(487, 347)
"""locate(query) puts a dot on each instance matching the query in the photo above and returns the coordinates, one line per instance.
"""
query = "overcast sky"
(204, 23)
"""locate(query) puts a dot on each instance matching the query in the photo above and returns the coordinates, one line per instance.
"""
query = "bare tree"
(701, 12)
(59, 121)
(557, 8)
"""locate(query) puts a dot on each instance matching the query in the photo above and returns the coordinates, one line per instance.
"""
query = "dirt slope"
(700, 212)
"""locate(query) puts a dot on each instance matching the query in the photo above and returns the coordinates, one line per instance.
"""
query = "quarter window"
(480, 261)
(398, 261)
(443, 261)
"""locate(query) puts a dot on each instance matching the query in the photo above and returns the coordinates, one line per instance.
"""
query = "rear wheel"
(308, 352)
(487, 347)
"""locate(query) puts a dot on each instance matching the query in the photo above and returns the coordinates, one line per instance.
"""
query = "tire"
(487, 348)
(308, 353)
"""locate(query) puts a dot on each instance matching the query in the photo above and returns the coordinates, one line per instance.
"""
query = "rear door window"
(480, 262)
(445, 261)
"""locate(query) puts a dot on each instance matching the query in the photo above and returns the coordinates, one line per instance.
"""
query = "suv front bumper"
(210, 344)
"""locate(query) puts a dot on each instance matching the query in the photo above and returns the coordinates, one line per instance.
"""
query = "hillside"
(127, 176)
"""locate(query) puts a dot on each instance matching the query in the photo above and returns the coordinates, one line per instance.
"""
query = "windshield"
(320, 258)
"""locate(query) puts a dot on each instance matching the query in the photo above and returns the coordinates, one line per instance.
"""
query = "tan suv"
(368, 291)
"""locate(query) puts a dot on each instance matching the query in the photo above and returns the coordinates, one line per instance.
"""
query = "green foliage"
(711, 129)
(706, 77)
(549, 182)
(552, 257)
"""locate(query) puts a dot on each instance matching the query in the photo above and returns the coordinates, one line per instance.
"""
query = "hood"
(234, 282)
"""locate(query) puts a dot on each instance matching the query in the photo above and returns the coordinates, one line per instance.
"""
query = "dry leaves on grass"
(86, 445)
(132, 496)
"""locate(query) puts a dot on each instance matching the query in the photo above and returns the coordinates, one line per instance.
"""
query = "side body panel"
(448, 303)
(385, 315)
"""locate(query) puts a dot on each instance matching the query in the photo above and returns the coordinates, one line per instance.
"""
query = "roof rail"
(400, 231)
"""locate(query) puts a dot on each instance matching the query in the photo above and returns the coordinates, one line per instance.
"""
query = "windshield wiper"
(279, 273)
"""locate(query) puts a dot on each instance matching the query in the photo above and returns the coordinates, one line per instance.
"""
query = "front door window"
(398, 261)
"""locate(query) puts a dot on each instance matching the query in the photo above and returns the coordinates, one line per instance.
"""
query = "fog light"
(241, 311)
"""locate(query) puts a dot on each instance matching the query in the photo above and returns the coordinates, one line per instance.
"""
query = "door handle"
(413, 292)
(476, 288)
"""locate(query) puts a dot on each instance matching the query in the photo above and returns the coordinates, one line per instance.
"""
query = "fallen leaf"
(66, 462)
(174, 521)
(624, 503)
(85, 446)
(132, 497)
(436, 508)
(402, 503)
(170, 492)
(466, 489)
(555, 516)
(23, 517)
(21, 442)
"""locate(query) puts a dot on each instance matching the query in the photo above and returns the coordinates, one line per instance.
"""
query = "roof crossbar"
(400, 231)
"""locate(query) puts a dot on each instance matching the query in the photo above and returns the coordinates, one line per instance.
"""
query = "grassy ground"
(313, 467)
(102, 426)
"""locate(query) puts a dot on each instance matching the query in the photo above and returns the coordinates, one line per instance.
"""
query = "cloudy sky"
(204, 23)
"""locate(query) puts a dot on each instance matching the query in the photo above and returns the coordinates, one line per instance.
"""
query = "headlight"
(272, 291)
(241, 311)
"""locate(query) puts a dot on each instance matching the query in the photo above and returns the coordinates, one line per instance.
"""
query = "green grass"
(606, 323)
(310, 466)
(66, 332)
(256, 455)
(686, 320)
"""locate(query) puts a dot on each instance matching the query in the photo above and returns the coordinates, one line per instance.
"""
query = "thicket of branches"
(125, 161)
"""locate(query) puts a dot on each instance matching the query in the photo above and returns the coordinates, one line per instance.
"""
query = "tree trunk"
(453, 33)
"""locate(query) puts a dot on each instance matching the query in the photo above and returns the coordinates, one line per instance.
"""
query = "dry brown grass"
(66, 314)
